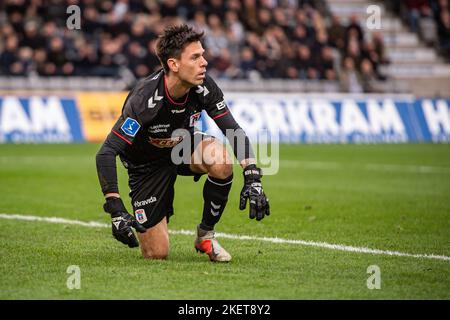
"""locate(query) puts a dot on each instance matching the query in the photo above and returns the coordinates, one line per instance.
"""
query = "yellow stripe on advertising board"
(99, 111)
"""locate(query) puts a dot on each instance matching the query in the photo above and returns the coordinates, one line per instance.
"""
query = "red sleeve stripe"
(121, 137)
(221, 115)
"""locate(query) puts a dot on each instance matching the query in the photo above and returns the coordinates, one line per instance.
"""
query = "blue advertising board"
(291, 118)
(339, 118)
(38, 119)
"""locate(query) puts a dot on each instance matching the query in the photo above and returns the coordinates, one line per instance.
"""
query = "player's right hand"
(122, 221)
(254, 193)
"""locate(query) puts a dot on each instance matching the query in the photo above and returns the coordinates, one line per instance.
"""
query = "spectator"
(300, 34)
(140, 34)
(57, 56)
(326, 64)
(86, 59)
(199, 23)
(304, 61)
(31, 37)
(248, 62)
(217, 8)
(9, 55)
(216, 39)
(24, 64)
(354, 30)
(169, 8)
(367, 76)
(40, 59)
(353, 51)
(378, 43)
(250, 15)
(234, 26)
(90, 21)
(189, 8)
(264, 20)
(287, 67)
(413, 12)
(444, 30)
(152, 60)
(243, 39)
(223, 66)
(337, 33)
(350, 78)
(137, 59)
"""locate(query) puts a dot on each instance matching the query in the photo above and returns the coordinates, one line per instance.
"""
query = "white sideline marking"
(325, 245)
(329, 165)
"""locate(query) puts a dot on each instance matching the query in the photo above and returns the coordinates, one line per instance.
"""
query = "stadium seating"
(320, 46)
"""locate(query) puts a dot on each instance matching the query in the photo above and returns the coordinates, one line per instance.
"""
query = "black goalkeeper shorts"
(152, 187)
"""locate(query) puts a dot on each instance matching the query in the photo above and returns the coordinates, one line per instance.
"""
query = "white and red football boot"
(207, 243)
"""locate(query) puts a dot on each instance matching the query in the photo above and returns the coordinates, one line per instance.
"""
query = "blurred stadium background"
(319, 46)
(291, 46)
(314, 72)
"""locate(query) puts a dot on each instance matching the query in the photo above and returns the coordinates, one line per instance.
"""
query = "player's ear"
(173, 64)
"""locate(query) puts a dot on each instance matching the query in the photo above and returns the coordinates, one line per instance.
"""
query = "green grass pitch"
(387, 197)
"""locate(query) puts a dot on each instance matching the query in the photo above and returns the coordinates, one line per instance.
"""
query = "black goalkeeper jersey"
(144, 131)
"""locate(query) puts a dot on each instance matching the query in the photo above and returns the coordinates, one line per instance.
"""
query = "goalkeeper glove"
(122, 221)
(253, 191)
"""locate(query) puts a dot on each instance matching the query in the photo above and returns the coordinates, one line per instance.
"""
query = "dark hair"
(173, 41)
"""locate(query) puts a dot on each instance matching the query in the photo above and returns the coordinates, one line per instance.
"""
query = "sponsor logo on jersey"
(142, 203)
(220, 105)
(130, 127)
(141, 217)
(178, 111)
(194, 119)
(165, 142)
(159, 128)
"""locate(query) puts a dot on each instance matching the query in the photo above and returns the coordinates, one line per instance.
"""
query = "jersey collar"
(170, 98)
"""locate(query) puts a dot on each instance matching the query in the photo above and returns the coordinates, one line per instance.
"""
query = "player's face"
(192, 64)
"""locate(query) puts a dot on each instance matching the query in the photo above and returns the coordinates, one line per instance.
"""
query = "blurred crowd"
(429, 18)
(290, 39)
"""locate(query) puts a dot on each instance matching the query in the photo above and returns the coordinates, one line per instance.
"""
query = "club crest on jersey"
(165, 142)
(141, 217)
(130, 127)
(194, 119)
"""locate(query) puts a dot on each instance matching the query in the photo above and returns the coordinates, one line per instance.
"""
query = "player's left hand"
(253, 191)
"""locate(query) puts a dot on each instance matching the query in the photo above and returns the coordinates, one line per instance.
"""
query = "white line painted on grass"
(53, 220)
(329, 165)
(316, 244)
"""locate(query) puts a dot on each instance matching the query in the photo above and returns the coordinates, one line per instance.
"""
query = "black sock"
(215, 194)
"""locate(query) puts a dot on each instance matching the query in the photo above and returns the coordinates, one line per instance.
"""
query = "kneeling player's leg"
(210, 156)
(152, 193)
(155, 241)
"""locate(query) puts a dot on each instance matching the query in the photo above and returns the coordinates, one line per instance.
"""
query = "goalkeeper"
(159, 117)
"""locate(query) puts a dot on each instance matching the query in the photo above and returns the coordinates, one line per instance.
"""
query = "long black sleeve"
(106, 168)
(106, 162)
(216, 107)
(239, 141)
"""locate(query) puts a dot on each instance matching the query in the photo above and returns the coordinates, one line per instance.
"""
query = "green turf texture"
(388, 197)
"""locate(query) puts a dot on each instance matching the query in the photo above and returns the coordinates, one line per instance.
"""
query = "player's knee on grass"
(155, 241)
(158, 248)
(155, 253)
